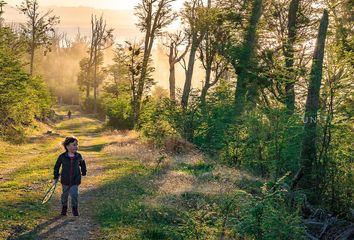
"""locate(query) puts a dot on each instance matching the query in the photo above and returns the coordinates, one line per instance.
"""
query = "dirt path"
(82, 227)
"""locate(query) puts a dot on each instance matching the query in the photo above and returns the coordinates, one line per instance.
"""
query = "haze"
(119, 14)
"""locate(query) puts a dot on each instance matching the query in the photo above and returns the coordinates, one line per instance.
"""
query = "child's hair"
(69, 140)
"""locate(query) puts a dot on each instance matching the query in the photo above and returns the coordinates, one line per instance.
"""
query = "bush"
(267, 143)
(155, 122)
(119, 112)
(216, 116)
(270, 217)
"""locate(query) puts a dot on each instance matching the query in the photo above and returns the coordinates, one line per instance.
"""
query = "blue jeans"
(74, 194)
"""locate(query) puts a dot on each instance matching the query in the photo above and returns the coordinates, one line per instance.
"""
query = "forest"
(274, 101)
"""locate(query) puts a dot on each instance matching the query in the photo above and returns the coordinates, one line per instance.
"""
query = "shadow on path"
(33, 234)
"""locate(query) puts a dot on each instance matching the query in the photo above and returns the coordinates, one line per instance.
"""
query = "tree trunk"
(32, 60)
(141, 84)
(289, 56)
(95, 85)
(206, 85)
(172, 77)
(308, 151)
(172, 80)
(136, 109)
(87, 90)
(189, 73)
(33, 32)
(32, 45)
(245, 59)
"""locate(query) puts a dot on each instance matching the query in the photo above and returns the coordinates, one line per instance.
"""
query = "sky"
(100, 4)
(71, 20)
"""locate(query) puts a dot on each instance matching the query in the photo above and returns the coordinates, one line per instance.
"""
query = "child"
(73, 166)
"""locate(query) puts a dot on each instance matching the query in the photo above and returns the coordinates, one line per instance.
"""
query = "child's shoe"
(63, 210)
(75, 211)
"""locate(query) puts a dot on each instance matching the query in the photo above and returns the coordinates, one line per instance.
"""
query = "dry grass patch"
(127, 144)
(176, 182)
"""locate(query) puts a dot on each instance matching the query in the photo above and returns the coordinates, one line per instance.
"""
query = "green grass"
(195, 169)
(23, 186)
(125, 197)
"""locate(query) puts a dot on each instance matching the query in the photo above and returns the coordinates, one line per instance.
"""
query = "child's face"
(73, 147)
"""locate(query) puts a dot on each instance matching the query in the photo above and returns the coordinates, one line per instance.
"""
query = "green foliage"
(266, 143)
(87, 106)
(22, 97)
(267, 216)
(216, 116)
(155, 122)
(336, 172)
(119, 112)
(154, 233)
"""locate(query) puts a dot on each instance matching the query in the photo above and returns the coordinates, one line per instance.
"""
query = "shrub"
(154, 121)
(119, 112)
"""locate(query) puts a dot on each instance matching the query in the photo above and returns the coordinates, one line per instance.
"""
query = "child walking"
(73, 166)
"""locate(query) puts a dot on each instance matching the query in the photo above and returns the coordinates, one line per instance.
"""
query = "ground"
(131, 191)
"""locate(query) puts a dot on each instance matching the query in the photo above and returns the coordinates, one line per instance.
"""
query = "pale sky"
(101, 4)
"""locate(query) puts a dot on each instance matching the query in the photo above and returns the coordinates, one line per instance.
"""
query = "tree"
(134, 63)
(101, 39)
(2, 4)
(284, 46)
(118, 72)
(194, 18)
(153, 16)
(246, 58)
(289, 54)
(22, 97)
(39, 28)
(210, 50)
(85, 78)
(173, 42)
(308, 151)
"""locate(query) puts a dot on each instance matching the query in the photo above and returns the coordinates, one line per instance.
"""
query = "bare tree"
(39, 28)
(173, 42)
(153, 16)
(2, 4)
(101, 39)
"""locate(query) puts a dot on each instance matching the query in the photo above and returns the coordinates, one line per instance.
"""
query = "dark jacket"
(71, 169)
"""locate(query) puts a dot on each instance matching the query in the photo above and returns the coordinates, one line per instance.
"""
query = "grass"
(24, 178)
(196, 169)
(186, 197)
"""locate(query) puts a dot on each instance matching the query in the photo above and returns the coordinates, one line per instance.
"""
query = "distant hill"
(72, 18)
